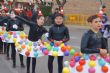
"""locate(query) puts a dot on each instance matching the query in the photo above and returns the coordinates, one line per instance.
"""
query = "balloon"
(101, 62)
(55, 49)
(72, 51)
(91, 70)
(23, 46)
(104, 69)
(66, 64)
(54, 53)
(82, 62)
(27, 53)
(43, 49)
(66, 70)
(19, 49)
(30, 44)
(56, 44)
(86, 56)
(34, 44)
(51, 44)
(49, 47)
(77, 59)
(35, 54)
(66, 53)
(14, 39)
(92, 63)
(46, 52)
(92, 57)
(76, 54)
(107, 59)
(79, 68)
(29, 48)
(16, 44)
(62, 45)
(69, 48)
(72, 64)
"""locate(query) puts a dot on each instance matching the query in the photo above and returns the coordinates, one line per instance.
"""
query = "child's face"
(12, 14)
(40, 21)
(96, 23)
(59, 20)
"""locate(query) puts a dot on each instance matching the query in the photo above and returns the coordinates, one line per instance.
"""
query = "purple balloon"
(66, 53)
(77, 59)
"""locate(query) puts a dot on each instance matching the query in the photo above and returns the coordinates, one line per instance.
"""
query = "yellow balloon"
(55, 53)
(14, 39)
(9, 36)
(16, 44)
(62, 45)
(29, 48)
(66, 70)
(92, 63)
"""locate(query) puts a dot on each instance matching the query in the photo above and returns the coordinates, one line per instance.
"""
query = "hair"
(58, 14)
(39, 16)
(91, 18)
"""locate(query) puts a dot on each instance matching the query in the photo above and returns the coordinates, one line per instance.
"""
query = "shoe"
(14, 66)
(22, 65)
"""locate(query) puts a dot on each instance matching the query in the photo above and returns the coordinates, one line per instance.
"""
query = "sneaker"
(22, 65)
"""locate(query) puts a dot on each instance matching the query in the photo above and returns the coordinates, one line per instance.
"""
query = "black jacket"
(3, 20)
(12, 22)
(35, 32)
(58, 33)
(92, 41)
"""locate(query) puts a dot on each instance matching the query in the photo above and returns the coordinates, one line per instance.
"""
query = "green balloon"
(30, 44)
(49, 47)
(72, 51)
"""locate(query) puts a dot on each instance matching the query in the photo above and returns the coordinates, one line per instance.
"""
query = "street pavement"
(41, 64)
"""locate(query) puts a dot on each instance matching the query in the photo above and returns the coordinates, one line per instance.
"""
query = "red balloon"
(79, 68)
(63, 48)
(82, 62)
(76, 54)
(27, 53)
(104, 69)
(46, 52)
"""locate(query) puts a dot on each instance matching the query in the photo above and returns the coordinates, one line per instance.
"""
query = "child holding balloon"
(58, 33)
(35, 33)
(93, 41)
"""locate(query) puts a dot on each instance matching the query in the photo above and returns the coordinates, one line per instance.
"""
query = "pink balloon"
(72, 63)
(107, 58)
(91, 70)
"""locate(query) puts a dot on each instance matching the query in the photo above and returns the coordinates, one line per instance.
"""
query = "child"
(93, 41)
(35, 33)
(58, 32)
(3, 24)
(14, 25)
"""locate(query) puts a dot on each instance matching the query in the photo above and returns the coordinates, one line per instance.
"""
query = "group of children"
(92, 41)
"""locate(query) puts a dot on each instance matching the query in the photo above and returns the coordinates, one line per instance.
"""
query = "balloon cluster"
(78, 62)
(55, 49)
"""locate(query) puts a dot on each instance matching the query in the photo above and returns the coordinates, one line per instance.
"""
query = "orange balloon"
(76, 54)
(27, 53)
(79, 68)
(69, 48)
(104, 69)
(23, 46)
(64, 48)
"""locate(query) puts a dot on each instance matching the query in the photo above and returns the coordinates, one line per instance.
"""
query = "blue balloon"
(77, 59)
(66, 53)
(86, 56)
(55, 49)
(34, 44)
(43, 49)
(35, 54)
(101, 62)
(51, 44)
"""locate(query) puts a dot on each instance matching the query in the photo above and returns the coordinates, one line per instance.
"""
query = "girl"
(3, 24)
(35, 33)
(59, 33)
(14, 25)
(93, 41)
